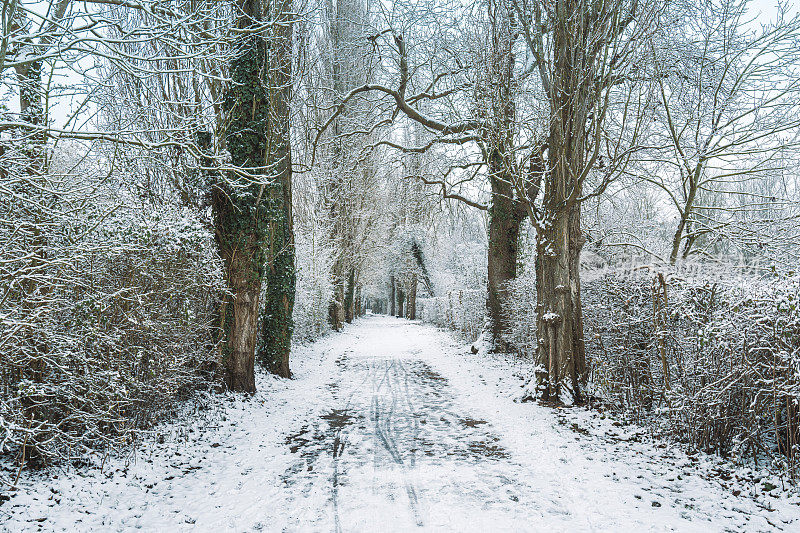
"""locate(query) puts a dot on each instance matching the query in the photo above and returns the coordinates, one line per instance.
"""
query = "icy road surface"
(392, 426)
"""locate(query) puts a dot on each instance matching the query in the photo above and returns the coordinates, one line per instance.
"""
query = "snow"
(394, 426)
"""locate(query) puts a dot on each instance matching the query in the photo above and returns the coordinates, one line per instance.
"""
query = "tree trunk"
(691, 184)
(561, 359)
(336, 307)
(280, 273)
(249, 215)
(349, 296)
(237, 233)
(32, 112)
(504, 216)
(35, 218)
(239, 310)
(392, 295)
(504, 226)
(401, 298)
(240, 321)
(412, 298)
(676, 240)
(561, 353)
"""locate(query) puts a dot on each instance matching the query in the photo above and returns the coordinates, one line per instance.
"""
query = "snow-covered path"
(392, 426)
(398, 448)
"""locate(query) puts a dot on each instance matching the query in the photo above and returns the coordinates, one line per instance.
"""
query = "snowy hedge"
(702, 355)
(314, 288)
(706, 356)
(104, 320)
(463, 311)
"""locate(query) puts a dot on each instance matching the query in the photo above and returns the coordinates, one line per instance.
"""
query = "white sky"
(769, 7)
(766, 10)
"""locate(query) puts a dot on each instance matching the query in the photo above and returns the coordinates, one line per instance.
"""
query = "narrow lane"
(393, 426)
(396, 436)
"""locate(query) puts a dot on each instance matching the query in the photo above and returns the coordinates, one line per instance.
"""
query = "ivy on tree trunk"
(240, 207)
(277, 324)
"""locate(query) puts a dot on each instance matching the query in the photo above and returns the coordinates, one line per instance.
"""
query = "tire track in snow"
(338, 448)
(391, 410)
(386, 432)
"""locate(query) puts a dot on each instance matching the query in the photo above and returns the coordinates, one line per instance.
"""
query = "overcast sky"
(765, 10)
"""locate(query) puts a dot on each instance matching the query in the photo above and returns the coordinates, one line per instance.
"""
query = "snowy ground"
(392, 426)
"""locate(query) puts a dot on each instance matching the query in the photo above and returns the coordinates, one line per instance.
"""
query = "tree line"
(342, 144)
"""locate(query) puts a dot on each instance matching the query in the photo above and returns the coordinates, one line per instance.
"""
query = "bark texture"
(280, 276)
(561, 353)
(505, 215)
(240, 313)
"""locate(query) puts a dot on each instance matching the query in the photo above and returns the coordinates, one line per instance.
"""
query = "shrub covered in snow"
(463, 311)
(457, 269)
(314, 287)
(700, 353)
(706, 356)
(521, 306)
(104, 320)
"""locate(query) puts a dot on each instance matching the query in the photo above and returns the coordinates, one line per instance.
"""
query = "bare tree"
(582, 50)
(472, 96)
(728, 98)
(344, 60)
